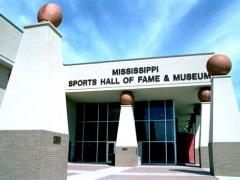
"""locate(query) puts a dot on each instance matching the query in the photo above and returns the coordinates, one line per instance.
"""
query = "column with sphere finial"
(126, 144)
(204, 95)
(33, 116)
(197, 120)
(224, 139)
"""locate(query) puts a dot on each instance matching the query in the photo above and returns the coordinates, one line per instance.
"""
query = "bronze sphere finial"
(204, 94)
(219, 64)
(126, 98)
(50, 12)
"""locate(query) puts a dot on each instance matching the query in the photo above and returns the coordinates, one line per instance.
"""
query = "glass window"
(114, 111)
(80, 112)
(157, 111)
(91, 112)
(89, 152)
(157, 152)
(145, 152)
(79, 131)
(90, 131)
(78, 151)
(170, 153)
(154, 122)
(103, 112)
(102, 152)
(102, 131)
(170, 130)
(112, 131)
(142, 130)
(141, 110)
(169, 109)
(157, 131)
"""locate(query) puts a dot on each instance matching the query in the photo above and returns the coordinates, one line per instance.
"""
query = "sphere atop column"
(126, 98)
(50, 12)
(204, 94)
(219, 64)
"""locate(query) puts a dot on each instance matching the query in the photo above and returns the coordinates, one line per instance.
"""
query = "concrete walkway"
(106, 172)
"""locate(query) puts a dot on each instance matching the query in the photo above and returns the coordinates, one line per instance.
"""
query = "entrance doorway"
(110, 152)
(156, 132)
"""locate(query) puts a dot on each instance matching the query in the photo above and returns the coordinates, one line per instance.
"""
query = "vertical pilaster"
(224, 142)
(204, 134)
(126, 144)
(197, 138)
(33, 116)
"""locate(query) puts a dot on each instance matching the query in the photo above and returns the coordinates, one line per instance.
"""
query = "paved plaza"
(106, 172)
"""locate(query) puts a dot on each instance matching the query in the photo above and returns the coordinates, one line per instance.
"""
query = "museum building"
(161, 110)
(122, 112)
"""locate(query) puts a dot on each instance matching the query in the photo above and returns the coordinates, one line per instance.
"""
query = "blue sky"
(99, 30)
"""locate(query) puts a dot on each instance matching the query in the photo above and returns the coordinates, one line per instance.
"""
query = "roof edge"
(6, 62)
(181, 55)
(21, 31)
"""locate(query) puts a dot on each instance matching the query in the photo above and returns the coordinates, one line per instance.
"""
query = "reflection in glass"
(112, 131)
(103, 112)
(170, 130)
(141, 110)
(90, 131)
(102, 131)
(142, 130)
(91, 112)
(78, 151)
(154, 122)
(79, 131)
(169, 109)
(114, 111)
(80, 112)
(157, 131)
(170, 153)
(89, 152)
(157, 110)
(110, 152)
(145, 152)
(102, 152)
(157, 152)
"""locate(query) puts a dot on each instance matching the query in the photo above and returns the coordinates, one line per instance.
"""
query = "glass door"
(110, 152)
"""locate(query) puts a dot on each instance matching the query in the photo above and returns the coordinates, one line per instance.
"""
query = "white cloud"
(24, 20)
(70, 55)
(167, 15)
(90, 36)
(224, 38)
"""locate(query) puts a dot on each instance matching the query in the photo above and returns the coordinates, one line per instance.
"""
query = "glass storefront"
(155, 127)
(96, 132)
(97, 124)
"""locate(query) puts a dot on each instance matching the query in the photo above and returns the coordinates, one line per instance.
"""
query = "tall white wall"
(35, 96)
(10, 37)
(225, 120)
(126, 135)
(197, 131)
(205, 123)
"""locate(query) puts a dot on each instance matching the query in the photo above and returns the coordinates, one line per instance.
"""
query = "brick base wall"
(224, 158)
(126, 156)
(31, 154)
(204, 157)
(196, 155)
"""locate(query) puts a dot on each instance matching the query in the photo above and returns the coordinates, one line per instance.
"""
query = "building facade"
(165, 91)
(80, 107)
